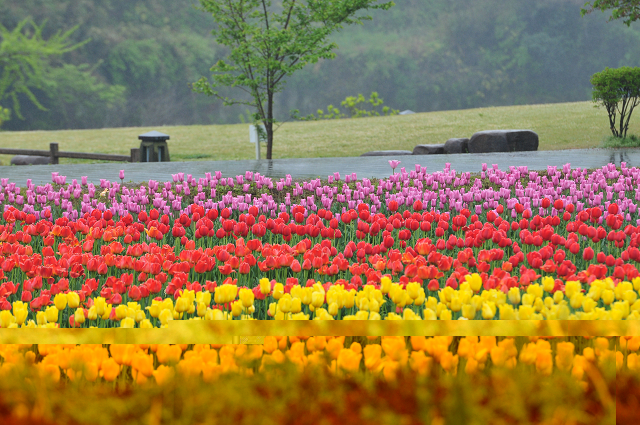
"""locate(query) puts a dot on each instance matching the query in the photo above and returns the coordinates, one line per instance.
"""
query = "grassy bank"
(560, 126)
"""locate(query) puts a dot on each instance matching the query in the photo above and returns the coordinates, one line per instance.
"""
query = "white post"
(253, 138)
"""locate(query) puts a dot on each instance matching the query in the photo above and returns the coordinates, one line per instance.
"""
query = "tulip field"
(557, 245)
(509, 245)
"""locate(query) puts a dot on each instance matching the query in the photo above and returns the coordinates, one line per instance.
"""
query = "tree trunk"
(269, 124)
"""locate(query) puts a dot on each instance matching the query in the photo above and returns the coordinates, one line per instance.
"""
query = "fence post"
(135, 155)
(53, 148)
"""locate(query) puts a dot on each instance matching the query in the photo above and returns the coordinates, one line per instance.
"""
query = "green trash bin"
(153, 147)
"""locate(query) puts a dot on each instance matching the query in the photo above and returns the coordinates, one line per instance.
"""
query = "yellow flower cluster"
(377, 355)
(601, 300)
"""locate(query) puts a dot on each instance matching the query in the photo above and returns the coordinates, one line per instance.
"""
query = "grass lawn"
(560, 126)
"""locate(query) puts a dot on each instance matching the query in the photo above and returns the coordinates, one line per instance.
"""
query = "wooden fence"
(54, 154)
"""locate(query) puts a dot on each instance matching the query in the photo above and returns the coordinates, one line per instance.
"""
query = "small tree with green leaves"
(24, 60)
(618, 90)
(269, 41)
(352, 103)
(629, 10)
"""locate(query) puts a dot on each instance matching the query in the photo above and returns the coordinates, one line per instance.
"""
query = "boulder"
(30, 160)
(503, 141)
(428, 149)
(386, 153)
(456, 146)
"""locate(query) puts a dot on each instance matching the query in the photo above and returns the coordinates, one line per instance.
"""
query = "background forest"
(423, 55)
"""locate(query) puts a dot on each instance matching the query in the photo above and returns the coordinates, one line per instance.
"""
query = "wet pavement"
(307, 168)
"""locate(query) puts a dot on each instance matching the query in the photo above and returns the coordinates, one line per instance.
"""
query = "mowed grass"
(559, 126)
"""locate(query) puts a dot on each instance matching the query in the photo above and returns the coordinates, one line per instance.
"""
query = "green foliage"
(627, 9)
(423, 55)
(631, 141)
(5, 114)
(618, 90)
(24, 59)
(77, 98)
(352, 104)
(268, 43)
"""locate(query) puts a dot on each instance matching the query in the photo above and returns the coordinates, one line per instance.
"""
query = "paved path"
(365, 167)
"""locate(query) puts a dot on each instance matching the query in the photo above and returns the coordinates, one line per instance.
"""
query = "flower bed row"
(379, 356)
(419, 382)
(142, 266)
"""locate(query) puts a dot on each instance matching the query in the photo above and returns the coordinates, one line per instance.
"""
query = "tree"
(24, 59)
(270, 40)
(627, 9)
(618, 90)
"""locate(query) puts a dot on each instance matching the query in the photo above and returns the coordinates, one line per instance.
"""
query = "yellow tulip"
(109, 369)
(182, 304)
(514, 295)
(349, 360)
(92, 314)
(449, 362)
(372, 356)
(165, 316)
(128, 323)
(78, 316)
(548, 283)
(564, 355)
(6, 318)
(278, 291)
(73, 299)
(247, 297)
(146, 324)
(488, 310)
(236, 308)
(607, 296)
(413, 289)
(101, 306)
(475, 282)
(168, 354)
(394, 347)
(60, 301)
(317, 299)
(163, 374)
(469, 311)
(121, 312)
(265, 286)
(52, 314)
